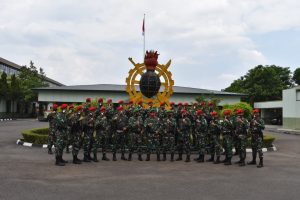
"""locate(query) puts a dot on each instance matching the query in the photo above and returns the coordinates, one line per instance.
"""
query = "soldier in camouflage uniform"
(61, 131)
(101, 126)
(256, 127)
(135, 139)
(129, 110)
(200, 131)
(152, 127)
(172, 105)
(110, 113)
(209, 138)
(183, 129)
(227, 132)
(88, 125)
(215, 131)
(141, 110)
(177, 115)
(52, 128)
(68, 141)
(99, 106)
(162, 113)
(76, 133)
(168, 129)
(241, 131)
(120, 121)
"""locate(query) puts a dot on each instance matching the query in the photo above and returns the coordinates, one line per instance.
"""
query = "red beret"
(100, 100)
(109, 100)
(92, 109)
(195, 103)
(239, 111)
(63, 106)
(79, 107)
(55, 106)
(88, 100)
(120, 102)
(162, 103)
(130, 102)
(71, 106)
(186, 104)
(227, 112)
(199, 112)
(120, 108)
(183, 111)
(210, 103)
(256, 110)
(214, 114)
(179, 104)
(102, 109)
(140, 102)
(203, 103)
(172, 103)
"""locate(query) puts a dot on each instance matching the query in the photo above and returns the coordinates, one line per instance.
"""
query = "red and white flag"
(143, 27)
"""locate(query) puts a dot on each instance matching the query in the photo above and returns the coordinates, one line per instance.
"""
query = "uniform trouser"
(100, 141)
(68, 138)
(60, 142)
(210, 142)
(51, 139)
(168, 143)
(76, 143)
(216, 144)
(119, 141)
(135, 141)
(257, 144)
(184, 145)
(153, 142)
(87, 141)
(227, 143)
(242, 141)
(235, 141)
(201, 143)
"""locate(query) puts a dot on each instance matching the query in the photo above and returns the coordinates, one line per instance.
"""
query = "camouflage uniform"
(88, 125)
(215, 131)
(152, 127)
(201, 131)
(101, 139)
(184, 143)
(241, 131)
(168, 129)
(135, 140)
(120, 122)
(52, 130)
(227, 132)
(61, 132)
(68, 141)
(256, 127)
(76, 135)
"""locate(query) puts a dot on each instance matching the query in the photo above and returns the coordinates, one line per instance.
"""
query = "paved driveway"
(30, 173)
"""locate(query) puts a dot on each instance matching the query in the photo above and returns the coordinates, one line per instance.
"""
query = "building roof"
(18, 68)
(122, 88)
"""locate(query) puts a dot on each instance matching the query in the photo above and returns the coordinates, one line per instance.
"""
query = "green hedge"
(36, 136)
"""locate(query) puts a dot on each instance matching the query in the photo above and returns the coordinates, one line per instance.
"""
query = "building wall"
(291, 108)
(2, 106)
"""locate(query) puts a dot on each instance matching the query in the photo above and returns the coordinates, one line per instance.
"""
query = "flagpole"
(144, 37)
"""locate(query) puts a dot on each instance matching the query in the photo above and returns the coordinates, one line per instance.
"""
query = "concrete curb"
(26, 144)
(5, 119)
(283, 131)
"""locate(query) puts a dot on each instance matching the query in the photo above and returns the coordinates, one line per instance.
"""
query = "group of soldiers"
(133, 128)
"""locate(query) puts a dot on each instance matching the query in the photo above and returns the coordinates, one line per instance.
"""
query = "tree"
(296, 76)
(15, 90)
(4, 89)
(263, 83)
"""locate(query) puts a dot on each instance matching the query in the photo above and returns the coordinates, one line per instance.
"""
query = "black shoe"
(129, 157)
(95, 159)
(104, 157)
(212, 158)
(164, 157)
(114, 157)
(187, 158)
(228, 161)
(172, 157)
(148, 157)
(50, 151)
(179, 157)
(140, 157)
(217, 160)
(261, 163)
(76, 160)
(158, 157)
(58, 161)
(86, 159)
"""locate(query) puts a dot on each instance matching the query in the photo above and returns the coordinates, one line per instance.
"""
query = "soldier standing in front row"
(152, 127)
(227, 132)
(61, 132)
(241, 132)
(52, 128)
(256, 127)
(76, 137)
(200, 131)
(168, 129)
(183, 129)
(215, 131)
(88, 134)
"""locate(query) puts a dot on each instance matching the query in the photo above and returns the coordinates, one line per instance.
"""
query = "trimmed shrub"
(36, 136)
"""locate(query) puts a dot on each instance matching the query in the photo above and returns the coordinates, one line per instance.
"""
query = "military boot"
(50, 151)
(86, 158)
(172, 157)
(148, 157)
(212, 158)
(164, 157)
(104, 157)
(242, 164)
(58, 161)
(140, 157)
(228, 161)
(217, 160)
(95, 159)
(253, 162)
(188, 158)
(179, 157)
(197, 159)
(158, 157)
(261, 162)
(123, 156)
(76, 160)
(129, 157)
(114, 157)
(201, 159)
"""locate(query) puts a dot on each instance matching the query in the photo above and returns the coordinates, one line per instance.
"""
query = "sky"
(210, 42)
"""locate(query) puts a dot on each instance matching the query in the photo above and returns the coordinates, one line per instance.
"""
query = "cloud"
(210, 42)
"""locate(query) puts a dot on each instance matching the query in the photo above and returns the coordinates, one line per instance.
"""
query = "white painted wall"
(268, 104)
(291, 106)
